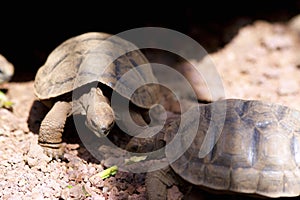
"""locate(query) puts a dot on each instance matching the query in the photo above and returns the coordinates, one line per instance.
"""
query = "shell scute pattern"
(95, 57)
(254, 154)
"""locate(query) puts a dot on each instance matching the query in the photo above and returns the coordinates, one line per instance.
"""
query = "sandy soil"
(261, 62)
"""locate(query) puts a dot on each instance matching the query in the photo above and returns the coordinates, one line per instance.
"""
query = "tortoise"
(256, 154)
(6, 70)
(79, 76)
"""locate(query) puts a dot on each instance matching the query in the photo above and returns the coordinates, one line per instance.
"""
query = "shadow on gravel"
(71, 136)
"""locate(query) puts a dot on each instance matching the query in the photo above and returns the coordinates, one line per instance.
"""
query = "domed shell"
(100, 57)
(258, 150)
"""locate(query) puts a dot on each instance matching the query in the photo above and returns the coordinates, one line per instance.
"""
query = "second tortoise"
(257, 151)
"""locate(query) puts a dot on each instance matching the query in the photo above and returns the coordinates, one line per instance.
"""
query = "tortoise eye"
(93, 123)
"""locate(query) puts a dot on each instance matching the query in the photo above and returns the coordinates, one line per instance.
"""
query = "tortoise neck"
(92, 98)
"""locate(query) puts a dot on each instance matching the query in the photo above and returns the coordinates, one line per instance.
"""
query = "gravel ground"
(261, 62)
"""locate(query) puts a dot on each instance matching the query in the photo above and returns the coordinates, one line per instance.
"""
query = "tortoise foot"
(54, 151)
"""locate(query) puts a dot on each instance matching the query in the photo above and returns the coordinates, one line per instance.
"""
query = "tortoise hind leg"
(157, 183)
(52, 127)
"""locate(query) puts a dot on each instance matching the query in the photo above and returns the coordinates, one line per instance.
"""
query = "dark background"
(30, 32)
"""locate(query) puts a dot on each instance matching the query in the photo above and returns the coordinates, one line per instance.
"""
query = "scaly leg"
(52, 127)
(157, 183)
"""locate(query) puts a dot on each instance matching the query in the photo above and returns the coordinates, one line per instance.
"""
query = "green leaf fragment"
(108, 172)
(4, 102)
(135, 159)
(7, 104)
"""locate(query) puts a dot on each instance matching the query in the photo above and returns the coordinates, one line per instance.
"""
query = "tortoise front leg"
(52, 127)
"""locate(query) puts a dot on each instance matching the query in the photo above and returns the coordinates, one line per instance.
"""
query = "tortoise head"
(100, 119)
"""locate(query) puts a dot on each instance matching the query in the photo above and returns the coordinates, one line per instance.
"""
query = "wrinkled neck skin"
(83, 100)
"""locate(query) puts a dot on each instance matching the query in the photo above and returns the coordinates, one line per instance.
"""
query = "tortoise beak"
(101, 134)
(103, 131)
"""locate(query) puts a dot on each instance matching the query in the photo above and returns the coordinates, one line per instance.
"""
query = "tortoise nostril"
(103, 129)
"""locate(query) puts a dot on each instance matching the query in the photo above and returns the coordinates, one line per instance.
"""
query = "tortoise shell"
(96, 56)
(6, 70)
(258, 150)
